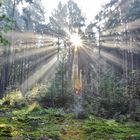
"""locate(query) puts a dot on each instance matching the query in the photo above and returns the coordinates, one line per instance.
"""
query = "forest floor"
(36, 123)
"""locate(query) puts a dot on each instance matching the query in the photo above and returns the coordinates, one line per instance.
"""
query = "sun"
(75, 39)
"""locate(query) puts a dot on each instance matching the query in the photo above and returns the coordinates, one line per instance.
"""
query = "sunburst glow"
(75, 39)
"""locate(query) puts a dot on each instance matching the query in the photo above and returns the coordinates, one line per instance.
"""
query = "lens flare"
(75, 39)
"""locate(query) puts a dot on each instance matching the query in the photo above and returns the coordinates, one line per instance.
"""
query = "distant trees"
(118, 39)
(31, 15)
(5, 24)
(58, 21)
(76, 20)
(66, 18)
(27, 19)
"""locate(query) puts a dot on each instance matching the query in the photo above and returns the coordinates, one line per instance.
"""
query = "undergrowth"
(35, 123)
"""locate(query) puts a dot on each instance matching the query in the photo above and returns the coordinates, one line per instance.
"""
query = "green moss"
(34, 122)
(7, 131)
(98, 128)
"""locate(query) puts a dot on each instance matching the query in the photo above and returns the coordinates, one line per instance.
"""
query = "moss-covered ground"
(36, 123)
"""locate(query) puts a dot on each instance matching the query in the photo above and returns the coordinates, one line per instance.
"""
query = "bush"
(12, 99)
